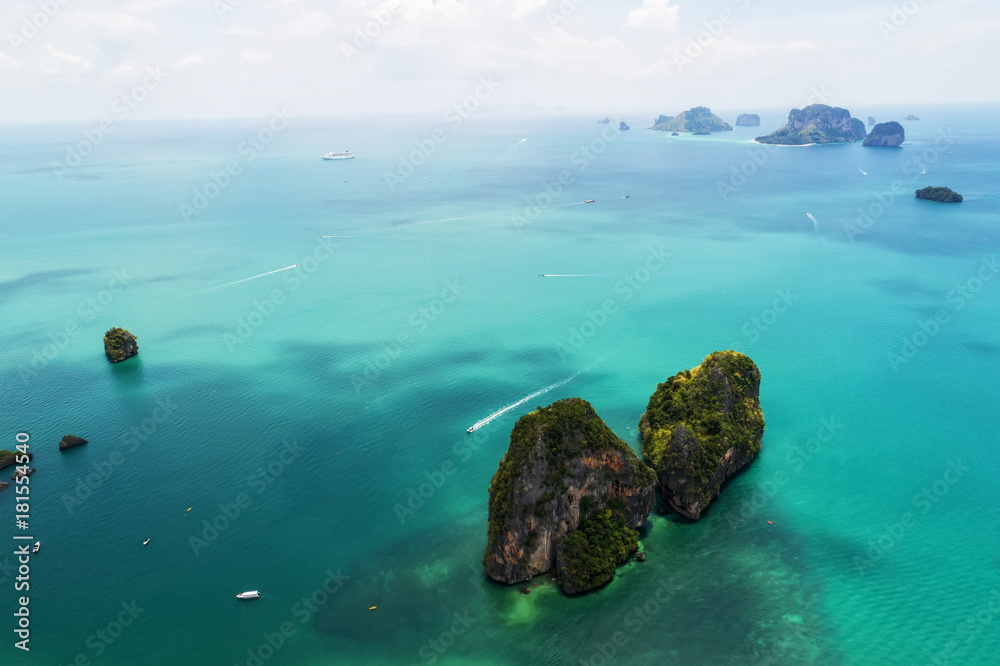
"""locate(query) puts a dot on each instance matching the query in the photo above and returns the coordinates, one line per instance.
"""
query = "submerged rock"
(702, 426)
(119, 345)
(568, 489)
(817, 123)
(888, 134)
(69, 441)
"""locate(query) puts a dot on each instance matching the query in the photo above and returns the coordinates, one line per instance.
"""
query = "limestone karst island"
(119, 345)
(817, 123)
(698, 120)
(570, 496)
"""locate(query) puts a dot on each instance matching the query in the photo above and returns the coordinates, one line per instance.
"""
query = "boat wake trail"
(815, 223)
(252, 278)
(582, 275)
(500, 412)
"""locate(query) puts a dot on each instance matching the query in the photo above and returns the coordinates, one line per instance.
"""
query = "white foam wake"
(252, 278)
(479, 424)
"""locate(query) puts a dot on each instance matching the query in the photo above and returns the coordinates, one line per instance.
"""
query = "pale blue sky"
(72, 60)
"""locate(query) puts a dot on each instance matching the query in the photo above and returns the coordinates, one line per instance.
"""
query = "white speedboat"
(37, 547)
(346, 155)
(252, 594)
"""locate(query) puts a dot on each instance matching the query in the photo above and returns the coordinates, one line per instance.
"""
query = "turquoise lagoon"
(313, 419)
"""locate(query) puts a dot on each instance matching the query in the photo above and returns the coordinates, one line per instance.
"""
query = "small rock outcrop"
(940, 194)
(702, 426)
(4, 484)
(622, 127)
(8, 458)
(817, 123)
(700, 119)
(890, 134)
(911, 117)
(119, 345)
(748, 120)
(69, 441)
(568, 494)
(605, 121)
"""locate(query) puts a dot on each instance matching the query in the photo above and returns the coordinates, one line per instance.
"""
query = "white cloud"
(58, 62)
(256, 57)
(199, 58)
(654, 14)
(524, 8)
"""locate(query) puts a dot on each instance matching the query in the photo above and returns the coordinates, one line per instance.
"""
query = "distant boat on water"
(346, 155)
(37, 547)
(252, 594)
(590, 201)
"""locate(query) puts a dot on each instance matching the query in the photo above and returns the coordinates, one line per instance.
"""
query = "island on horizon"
(697, 120)
(816, 124)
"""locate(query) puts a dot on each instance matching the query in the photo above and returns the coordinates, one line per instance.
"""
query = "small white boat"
(145, 542)
(37, 547)
(346, 155)
(252, 594)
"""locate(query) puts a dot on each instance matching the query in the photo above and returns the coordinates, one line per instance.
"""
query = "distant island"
(817, 123)
(871, 121)
(605, 121)
(701, 426)
(568, 495)
(698, 120)
(888, 134)
(119, 345)
(748, 120)
(622, 127)
(940, 194)
(911, 117)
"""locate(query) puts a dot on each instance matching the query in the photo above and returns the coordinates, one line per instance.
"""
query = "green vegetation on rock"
(69, 441)
(564, 467)
(701, 426)
(699, 120)
(817, 123)
(942, 194)
(890, 134)
(8, 458)
(590, 553)
(119, 345)
(565, 427)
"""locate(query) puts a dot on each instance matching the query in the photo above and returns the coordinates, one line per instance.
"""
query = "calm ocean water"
(313, 419)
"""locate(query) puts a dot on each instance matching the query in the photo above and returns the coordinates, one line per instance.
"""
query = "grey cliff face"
(535, 528)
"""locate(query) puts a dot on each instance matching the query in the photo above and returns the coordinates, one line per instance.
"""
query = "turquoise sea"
(303, 433)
